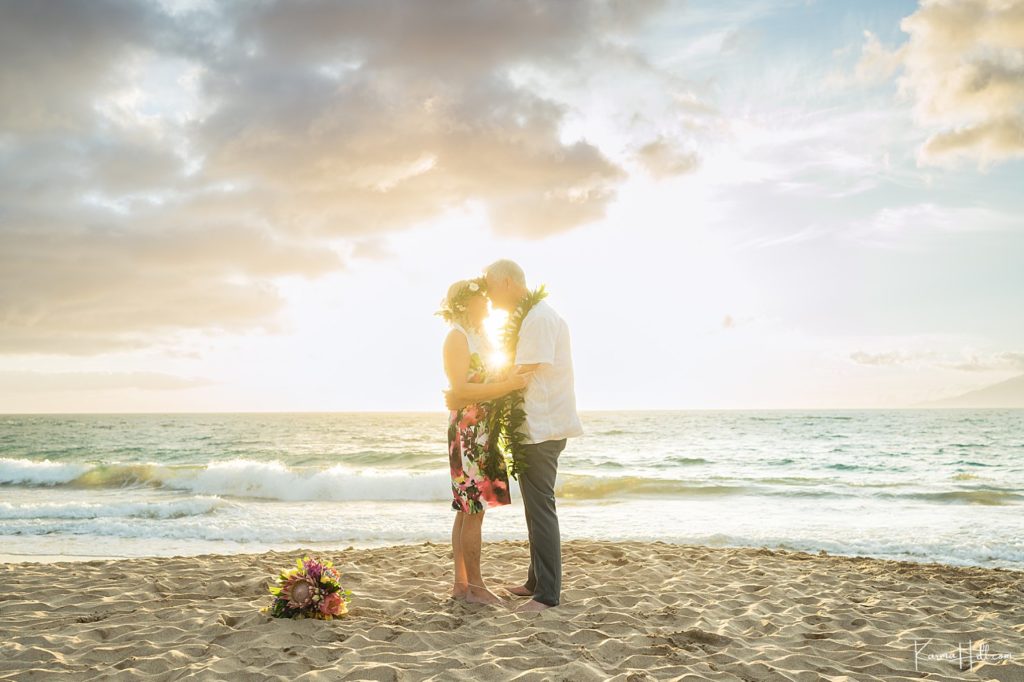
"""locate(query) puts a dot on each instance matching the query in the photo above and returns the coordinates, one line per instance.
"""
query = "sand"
(630, 611)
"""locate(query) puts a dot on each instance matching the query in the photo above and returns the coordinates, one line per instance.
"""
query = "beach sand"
(630, 611)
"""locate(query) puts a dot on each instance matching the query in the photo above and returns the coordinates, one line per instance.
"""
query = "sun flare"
(492, 327)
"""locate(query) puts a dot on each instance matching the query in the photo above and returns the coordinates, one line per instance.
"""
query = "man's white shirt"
(550, 397)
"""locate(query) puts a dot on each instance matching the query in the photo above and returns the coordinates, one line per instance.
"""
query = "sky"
(734, 205)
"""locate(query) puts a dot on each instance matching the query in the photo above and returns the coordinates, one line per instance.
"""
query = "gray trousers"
(537, 486)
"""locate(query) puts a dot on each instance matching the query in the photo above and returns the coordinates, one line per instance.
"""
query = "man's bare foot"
(481, 595)
(532, 606)
(519, 591)
(459, 590)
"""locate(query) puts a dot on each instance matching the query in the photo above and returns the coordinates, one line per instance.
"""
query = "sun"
(493, 325)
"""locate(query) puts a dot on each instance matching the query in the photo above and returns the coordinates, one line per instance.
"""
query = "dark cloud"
(361, 117)
(158, 169)
(57, 57)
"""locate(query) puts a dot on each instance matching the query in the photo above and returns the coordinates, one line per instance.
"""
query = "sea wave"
(236, 478)
(275, 481)
(598, 487)
(990, 497)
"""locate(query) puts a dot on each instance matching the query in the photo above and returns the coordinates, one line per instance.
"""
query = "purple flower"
(313, 568)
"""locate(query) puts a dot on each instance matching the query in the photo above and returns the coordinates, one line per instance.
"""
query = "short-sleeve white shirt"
(550, 397)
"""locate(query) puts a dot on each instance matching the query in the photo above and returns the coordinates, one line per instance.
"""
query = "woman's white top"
(478, 343)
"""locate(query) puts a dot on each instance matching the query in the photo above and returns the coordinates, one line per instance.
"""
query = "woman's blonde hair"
(453, 305)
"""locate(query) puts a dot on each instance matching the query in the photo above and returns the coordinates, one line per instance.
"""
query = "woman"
(466, 351)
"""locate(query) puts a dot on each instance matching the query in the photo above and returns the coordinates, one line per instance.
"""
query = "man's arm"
(455, 400)
(532, 367)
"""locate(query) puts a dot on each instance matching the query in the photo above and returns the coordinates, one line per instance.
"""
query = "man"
(551, 419)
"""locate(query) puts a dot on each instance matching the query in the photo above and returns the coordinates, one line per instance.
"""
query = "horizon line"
(581, 411)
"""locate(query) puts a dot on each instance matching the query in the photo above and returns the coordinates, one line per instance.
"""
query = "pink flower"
(470, 416)
(332, 605)
(299, 591)
(484, 486)
(313, 569)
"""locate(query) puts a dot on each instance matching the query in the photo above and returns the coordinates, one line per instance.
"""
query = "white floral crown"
(453, 309)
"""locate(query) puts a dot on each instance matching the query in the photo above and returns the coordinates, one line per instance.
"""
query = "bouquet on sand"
(311, 590)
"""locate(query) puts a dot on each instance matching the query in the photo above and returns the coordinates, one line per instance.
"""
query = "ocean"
(918, 485)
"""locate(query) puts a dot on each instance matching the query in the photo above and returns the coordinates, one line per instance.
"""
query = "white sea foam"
(45, 472)
(256, 524)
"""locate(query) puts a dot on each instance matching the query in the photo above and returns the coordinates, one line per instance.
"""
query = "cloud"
(361, 117)
(88, 381)
(158, 169)
(56, 57)
(902, 226)
(908, 228)
(973, 362)
(664, 158)
(888, 358)
(964, 67)
(876, 64)
(372, 249)
(730, 321)
(987, 141)
(83, 291)
(965, 361)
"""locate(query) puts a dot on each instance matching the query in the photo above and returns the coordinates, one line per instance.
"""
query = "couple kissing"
(512, 419)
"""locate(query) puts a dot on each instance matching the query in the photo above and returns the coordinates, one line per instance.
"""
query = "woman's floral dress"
(467, 444)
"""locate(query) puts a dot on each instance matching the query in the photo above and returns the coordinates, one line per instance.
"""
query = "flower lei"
(506, 414)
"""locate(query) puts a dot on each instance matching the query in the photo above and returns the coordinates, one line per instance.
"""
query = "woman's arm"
(455, 400)
(456, 366)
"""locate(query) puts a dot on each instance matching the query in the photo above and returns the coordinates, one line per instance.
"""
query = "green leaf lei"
(506, 415)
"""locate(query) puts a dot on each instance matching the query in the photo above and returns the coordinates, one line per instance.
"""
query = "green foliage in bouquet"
(311, 590)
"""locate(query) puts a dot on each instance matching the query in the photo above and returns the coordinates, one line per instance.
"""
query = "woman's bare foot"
(520, 591)
(481, 595)
(460, 590)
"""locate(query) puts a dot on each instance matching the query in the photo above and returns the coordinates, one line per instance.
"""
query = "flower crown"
(454, 309)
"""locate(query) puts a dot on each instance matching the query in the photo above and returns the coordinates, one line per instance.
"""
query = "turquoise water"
(923, 485)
